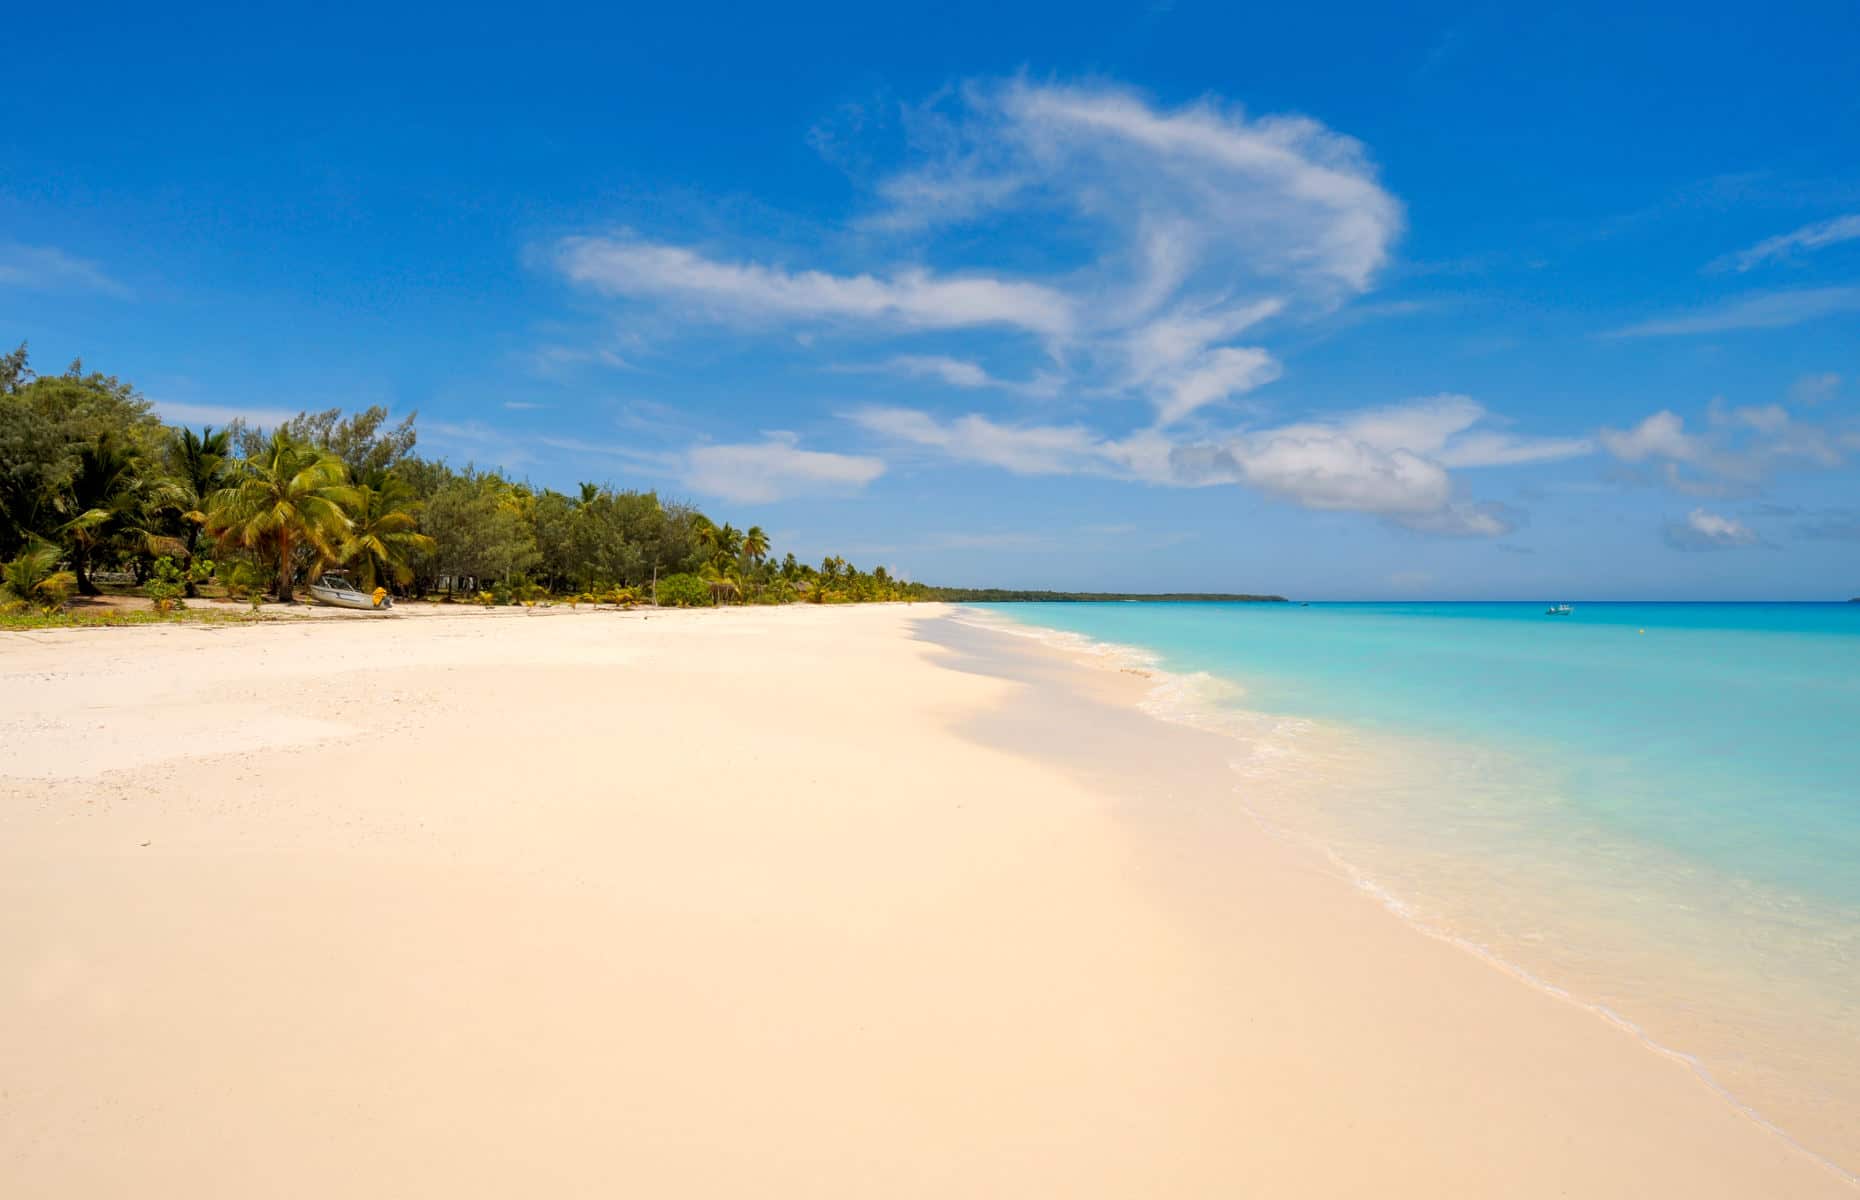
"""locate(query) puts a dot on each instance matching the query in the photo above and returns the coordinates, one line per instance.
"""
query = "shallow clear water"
(1653, 807)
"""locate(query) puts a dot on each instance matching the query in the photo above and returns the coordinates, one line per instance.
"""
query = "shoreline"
(1186, 699)
(832, 902)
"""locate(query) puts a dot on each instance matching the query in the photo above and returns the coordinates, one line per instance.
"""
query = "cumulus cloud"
(1165, 235)
(1736, 450)
(1758, 310)
(1795, 242)
(1390, 462)
(1703, 530)
(774, 469)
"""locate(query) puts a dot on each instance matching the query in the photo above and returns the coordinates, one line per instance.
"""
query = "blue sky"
(1445, 302)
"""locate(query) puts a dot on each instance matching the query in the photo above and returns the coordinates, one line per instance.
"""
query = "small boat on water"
(1559, 610)
(333, 588)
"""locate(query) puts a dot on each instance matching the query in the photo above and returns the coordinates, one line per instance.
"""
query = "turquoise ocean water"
(1653, 809)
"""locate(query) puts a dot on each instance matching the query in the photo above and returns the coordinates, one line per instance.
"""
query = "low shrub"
(246, 580)
(33, 580)
(167, 585)
(684, 591)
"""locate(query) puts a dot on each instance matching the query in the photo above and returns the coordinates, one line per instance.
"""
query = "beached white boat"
(1559, 610)
(334, 588)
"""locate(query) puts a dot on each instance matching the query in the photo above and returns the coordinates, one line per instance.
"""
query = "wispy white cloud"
(1704, 530)
(1815, 389)
(1199, 225)
(1020, 449)
(914, 298)
(1757, 310)
(1391, 462)
(556, 361)
(775, 469)
(1292, 197)
(957, 372)
(662, 463)
(49, 269)
(1789, 245)
(478, 441)
(1210, 376)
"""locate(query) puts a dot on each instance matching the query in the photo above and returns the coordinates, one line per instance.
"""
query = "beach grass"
(30, 619)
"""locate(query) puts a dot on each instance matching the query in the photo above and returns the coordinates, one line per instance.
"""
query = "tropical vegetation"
(93, 484)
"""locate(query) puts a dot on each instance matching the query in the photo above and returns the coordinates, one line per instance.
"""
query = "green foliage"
(33, 580)
(45, 421)
(480, 530)
(290, 504)
(199, 465)
(684, 591)
(247, 579)
(363, 442)
(113, 505)
(21, 617)
(167, 584)
(384, 538)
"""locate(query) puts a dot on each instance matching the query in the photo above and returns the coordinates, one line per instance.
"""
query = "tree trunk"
(284, 572)
(191, 590)
(80, 566)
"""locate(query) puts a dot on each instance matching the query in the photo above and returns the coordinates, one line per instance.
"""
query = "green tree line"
(93, 482)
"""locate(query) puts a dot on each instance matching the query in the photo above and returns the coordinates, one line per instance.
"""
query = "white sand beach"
(813, 901)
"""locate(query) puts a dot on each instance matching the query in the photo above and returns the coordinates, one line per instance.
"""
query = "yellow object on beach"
(380, 595)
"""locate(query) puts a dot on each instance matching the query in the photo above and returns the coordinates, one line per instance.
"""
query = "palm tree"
(200, 462)
(34, 577)
(112, 501)
(384, 533)
(724, 541)
(722, 578)
(292, 496)
(755, 544)
(755, 548)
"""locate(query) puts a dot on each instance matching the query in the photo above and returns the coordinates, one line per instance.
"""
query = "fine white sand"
(741, 903)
